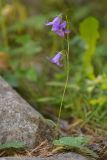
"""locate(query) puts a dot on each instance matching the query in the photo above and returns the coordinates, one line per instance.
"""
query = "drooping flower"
(58, 27)
(56, 59)
(56, 21)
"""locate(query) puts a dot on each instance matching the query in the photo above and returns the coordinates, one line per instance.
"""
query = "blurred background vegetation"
(25, 44)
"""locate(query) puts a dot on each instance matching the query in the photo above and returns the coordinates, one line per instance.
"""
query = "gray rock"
(19, 121)
(65, 156)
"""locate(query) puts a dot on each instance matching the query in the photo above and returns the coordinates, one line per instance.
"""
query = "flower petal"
(56, 59)
(56, 20)
(49, 24)
(63, 25)
(55, 27)
(60, 33)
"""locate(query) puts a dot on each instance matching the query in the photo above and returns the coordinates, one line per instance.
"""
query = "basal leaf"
(15, 145)
(79, 143)
(72, 141)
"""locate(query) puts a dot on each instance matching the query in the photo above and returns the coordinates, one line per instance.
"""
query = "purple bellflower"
(58, 27)
(56, 59)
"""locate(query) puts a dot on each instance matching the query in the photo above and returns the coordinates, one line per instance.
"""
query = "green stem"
(66, 82)
(65, 87)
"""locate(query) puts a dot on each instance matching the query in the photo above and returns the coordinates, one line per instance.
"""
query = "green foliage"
(77, 142)
(15, 145)
(29, 48)
(40, 22)
(29, 73)
(89, 33)
(81, 12)
(27, 45)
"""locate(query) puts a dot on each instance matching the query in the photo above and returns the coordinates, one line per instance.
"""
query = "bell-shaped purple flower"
(58, 27)
(56, 59)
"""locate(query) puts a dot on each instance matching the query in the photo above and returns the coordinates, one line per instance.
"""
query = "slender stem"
(65, 87)
(66, 82)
